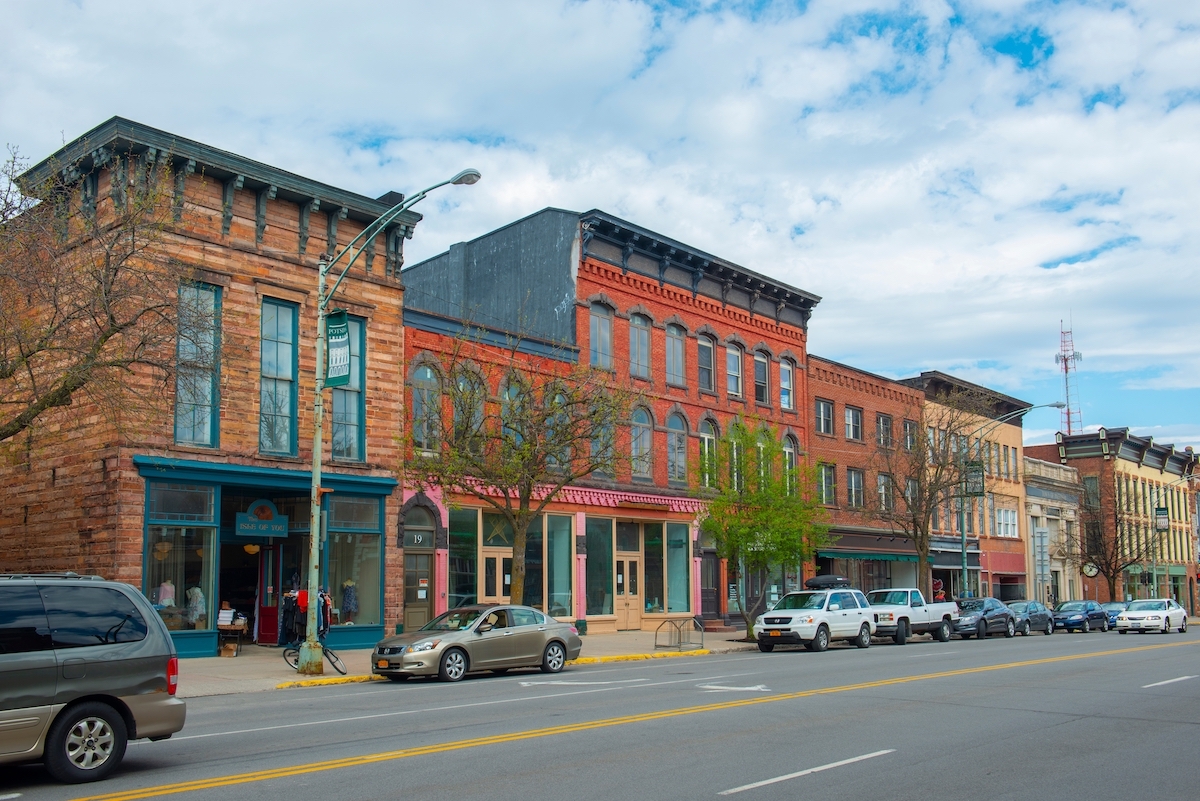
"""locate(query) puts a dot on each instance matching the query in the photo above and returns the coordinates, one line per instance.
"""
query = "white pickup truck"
(901, 612)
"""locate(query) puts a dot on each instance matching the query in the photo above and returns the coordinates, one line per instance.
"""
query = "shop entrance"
(418, 590)
(629, 594)
(239, 579)
(710, 572)
(497, 575)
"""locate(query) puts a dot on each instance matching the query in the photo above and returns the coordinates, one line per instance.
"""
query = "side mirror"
(917, 603)
(834, 607)
(484, 627)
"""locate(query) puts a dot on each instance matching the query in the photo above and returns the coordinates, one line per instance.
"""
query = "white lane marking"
(1168, 681)
(385, 715)
(563, 681)
(7, 796)
(808, 772)
(718, 688)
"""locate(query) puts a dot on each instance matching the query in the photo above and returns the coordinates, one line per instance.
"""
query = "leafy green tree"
(762, 508)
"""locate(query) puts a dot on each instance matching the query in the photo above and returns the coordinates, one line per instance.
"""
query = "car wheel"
(981, 629)
(1104, 625)
(863, 640)
(943, 632)
(553, 658)
(1086, 628)
(1183, 625)
(1049, 627)
(766, 647)
(397, 678)
(901, 635)
(1009, 629)
(85, 743)
(1167, 624)
(821, 641)
(1025, 629)
(453, 666)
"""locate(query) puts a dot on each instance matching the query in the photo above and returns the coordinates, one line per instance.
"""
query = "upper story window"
(824, 417)
(827, 484)
(790, 450)
(708, 452)
(883, 430)
(762, 367)
(639, 346)
(787, 378)
(853, 423)
(640, 443)
(886, 493)
(600, 341)
(350, 402)
(733, 371)
(425, 401)
(854, 487)
(676, 368)
(910, 434)
(468, 411)
(676, 449)
(705, 350)
(197, 372)
(277, 396)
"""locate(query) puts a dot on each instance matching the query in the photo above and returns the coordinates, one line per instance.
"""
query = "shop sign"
(262, 520)
(1162, 518)
(337, 329)
(972, 484)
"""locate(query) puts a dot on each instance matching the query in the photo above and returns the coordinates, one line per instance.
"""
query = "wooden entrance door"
(418, 590)
(628, 606)
(710, 579)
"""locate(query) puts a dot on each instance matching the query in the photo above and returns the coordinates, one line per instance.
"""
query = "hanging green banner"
(337, 329)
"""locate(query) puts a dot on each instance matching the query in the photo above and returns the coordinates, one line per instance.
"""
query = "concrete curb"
(595, 660)
(288, 685)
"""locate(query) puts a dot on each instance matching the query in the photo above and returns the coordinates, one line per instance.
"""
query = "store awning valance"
(871, 555)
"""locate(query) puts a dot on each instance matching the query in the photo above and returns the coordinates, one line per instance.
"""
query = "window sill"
(193, 448)
(280, 457)
(709, 392)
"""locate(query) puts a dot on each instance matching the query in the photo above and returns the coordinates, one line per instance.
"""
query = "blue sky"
(953, 178)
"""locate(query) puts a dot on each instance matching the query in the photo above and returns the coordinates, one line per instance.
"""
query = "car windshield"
(1070, 606)
(801, 600)
(899, 597)
(454, 620)
(1019, 607)
(1114, 606)
(1147, 606)
(971, 605)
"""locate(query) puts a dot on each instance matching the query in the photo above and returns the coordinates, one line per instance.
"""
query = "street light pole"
(310, 650)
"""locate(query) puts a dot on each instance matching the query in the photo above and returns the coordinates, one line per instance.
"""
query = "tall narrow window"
(854, 487)
(468, 411)
(787, 397)
(853, 423)
(640, 443)
(708, 452)
(912, 489)
(600, 341)
(676, 449)
(277, 397)
(910, 435)
(733, 371)
(639, 346)
(827, 484)
(349, 402)
(676, 372)
(704, 361)
(824, 417)
(425, 403)
(887, 499)
(790, 449)
(762, 367)
(883, 430)
(197, 380)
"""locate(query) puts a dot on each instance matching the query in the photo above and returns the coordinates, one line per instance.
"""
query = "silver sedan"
(481, 637)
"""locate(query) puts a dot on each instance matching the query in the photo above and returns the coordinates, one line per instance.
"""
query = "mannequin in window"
(166, 593)
(195, 606)
(349, 601)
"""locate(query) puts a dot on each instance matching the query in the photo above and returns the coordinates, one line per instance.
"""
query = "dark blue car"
(1114, 608)
(1080, 616)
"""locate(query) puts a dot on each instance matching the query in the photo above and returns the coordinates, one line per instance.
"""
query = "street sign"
(972, 480)
(1162, 518)
(337, 328)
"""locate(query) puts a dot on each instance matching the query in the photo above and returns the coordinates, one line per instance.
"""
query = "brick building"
(1052, 498)
(706, 341)
(162, 505)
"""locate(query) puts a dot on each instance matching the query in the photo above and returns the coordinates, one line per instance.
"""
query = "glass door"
(629, 594)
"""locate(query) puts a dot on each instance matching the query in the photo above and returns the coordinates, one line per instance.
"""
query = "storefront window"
(558, 561)
(464, 541)
(679, 598)
(180, 502)
(599, 540)
(654, 567)
(179, 575)
(354, 578)
(533, 564)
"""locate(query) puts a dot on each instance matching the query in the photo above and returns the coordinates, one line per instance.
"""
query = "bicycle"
(292, 657)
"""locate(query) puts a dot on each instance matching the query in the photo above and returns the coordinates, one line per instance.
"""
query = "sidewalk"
(260, 668)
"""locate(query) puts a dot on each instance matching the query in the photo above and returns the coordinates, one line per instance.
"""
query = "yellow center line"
(531, 734)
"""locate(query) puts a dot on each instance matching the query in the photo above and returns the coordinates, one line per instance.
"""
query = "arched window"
(418, 528)
(640, 443)
(762, 368)
(639, 346)
(705, 350)
(600, 342)
(790, 449)
(733, 371)
(676, 368)
(787, 382)
(513, 412)
(425, 399)
(468, 411)
(676, 449)
(708, 452)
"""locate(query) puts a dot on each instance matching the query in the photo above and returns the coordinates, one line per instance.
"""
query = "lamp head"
(1057, 405)
(466, 177)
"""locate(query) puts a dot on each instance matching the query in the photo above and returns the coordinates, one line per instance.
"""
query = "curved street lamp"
(310, 650)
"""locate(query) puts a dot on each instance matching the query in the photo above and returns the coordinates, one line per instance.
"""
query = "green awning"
(872, 555)
(1177, 570)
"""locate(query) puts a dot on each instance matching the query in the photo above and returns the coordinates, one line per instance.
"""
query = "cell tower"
(1067, 356)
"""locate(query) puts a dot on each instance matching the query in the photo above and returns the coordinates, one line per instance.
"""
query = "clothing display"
(293, 621)
(349, 598)
(195, 605)
(166, 593)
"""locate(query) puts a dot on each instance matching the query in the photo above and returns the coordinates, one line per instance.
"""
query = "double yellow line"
(532, 734)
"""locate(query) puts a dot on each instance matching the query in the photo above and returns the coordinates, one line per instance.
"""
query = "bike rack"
(679, 634)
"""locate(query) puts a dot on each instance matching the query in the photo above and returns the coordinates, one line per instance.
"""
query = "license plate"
(381, 663)
(774, 633)
(1136, 625)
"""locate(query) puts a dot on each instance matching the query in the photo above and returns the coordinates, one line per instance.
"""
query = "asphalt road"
(1095, 716)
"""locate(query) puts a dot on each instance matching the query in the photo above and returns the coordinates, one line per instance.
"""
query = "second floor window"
(883, 430)
(600, 339)
(853, 423)
(675, 363)
(854, 487)
(824, 417)
(676, 449)
(886, 496)
(277, 396)
(424, 403)
(790, 449)
(708, 452)
(787, 398)
(197, 376)
(640, 443)
(733, 371)
(349, 403)
(910, 435)
(762, 367)
(639, 346)
(827, 484)
(704, 363)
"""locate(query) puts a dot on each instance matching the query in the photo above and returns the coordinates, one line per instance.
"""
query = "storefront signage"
(972, 485)
(262, 520)
(337, 328)
(1162, 518)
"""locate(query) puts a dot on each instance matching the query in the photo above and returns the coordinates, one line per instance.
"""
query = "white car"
(1156, 614)
(814, 617)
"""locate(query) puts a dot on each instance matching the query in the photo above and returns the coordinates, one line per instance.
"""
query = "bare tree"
(88, 295)
(1113, 539)
(513, 430)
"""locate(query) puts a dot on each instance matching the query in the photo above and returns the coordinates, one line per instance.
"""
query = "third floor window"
(676, 373)
(705, 350)
(762, 367)
(639, 346)
(853, 423)
(824, 416)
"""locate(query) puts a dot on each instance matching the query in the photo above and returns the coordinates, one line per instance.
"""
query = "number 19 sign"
(337, 328)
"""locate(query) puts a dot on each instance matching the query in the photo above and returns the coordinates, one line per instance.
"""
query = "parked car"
(85, 666)
(814, 617)
(1032, 616)
(901, 612)
(979, 617)
(1080, 616)
(479, 637)
(1112, 609)
(1158, 614)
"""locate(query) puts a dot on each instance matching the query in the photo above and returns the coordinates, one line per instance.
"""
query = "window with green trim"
(197, 365)
(350, 403)
(277, 412)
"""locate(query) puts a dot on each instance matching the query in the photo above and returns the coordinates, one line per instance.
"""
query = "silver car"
(480, 637)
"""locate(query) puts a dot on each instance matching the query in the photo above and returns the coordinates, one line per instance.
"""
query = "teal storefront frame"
(153, 469)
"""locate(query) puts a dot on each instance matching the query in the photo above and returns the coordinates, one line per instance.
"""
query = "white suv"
(814, 617)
